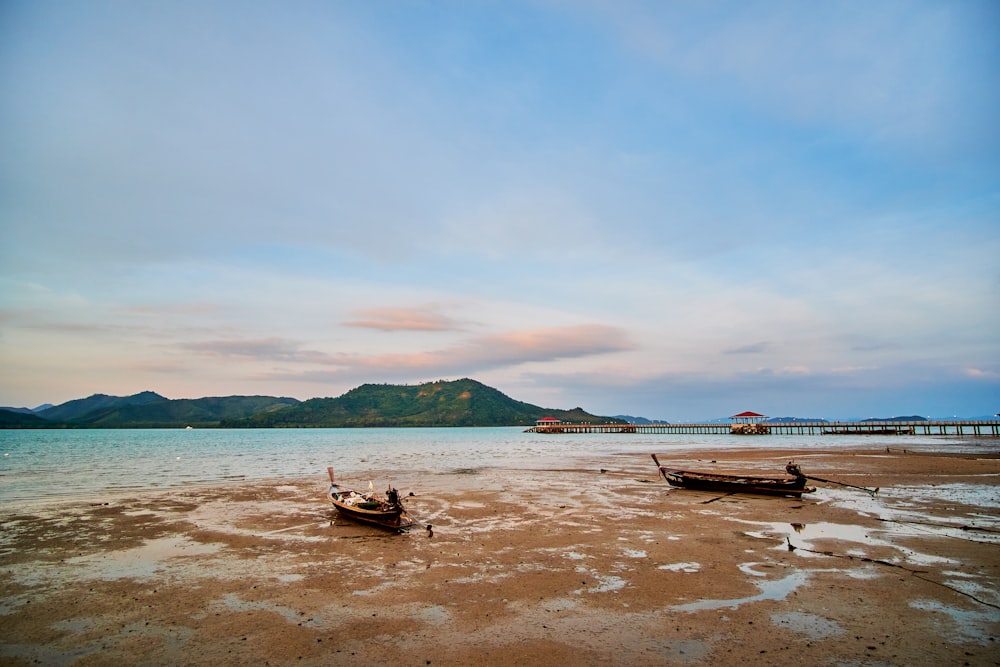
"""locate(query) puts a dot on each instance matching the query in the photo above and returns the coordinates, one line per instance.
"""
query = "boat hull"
(352, 505)
(768, 486)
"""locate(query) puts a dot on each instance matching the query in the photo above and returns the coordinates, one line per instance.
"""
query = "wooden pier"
(972, 427)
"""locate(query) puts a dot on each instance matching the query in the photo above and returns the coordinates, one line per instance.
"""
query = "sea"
(50, 464)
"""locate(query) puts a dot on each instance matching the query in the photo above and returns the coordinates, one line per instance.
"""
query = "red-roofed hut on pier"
(748, 418)
(749, 423)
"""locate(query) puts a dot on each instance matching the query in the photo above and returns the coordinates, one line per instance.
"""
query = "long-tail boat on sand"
(369, 507)
(792, 485)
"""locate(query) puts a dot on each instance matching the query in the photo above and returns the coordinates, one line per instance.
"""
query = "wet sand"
(603, 564)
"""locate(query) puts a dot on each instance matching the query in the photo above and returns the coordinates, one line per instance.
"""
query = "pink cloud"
(403, 319)
(274, 349)
(479, 354)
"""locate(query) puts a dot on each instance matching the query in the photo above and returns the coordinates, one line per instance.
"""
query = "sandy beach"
(601, 564)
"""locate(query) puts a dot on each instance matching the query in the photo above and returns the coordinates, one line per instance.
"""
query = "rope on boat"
(871, 492)
(947, 526)
(793, 469)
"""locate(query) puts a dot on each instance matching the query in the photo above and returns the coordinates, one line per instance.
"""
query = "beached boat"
(369, 507)
(793, 485)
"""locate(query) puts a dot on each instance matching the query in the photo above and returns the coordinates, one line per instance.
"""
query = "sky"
(677, 210)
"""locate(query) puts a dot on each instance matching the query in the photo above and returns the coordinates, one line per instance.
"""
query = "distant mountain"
(26, 411)
(792, 420)
(76, 409)
(17, 419)
(144, 410)
(640, 420)
(201, 412)
(445, 403)
(913, 418)
(456, 403)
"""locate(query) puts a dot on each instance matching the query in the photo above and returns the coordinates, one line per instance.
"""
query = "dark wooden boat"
(793, 485)
(369, 507)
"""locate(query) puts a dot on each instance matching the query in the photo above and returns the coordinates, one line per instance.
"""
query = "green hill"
(12, 419)
(200, 412)
(81, 407)
(144, 410)
(457, 403)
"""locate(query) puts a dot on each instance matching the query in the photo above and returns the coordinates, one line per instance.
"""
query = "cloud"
(557, 342)
(262, 349)
(511, 348)
(418, 318)
(174, 309)
(979, 373)
(308, 170)
(838, 393)
(794, 370)
(875, 347)
(753, 348)
(894, 71)
(848, 370)
(473, 356)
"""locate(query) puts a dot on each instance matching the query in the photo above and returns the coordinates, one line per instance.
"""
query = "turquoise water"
(41, 464)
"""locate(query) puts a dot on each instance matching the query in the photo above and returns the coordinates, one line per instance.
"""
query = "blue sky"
(676, 210)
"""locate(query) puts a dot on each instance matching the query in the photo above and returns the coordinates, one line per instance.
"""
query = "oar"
(830, 481)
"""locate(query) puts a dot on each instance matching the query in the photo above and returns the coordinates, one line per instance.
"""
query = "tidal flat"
(598, 564)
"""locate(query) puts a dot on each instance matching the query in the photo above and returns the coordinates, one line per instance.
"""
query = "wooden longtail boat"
(793, 485)
(368, 507)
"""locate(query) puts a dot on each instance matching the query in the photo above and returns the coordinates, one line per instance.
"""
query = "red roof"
(548, 419)
(746, 414)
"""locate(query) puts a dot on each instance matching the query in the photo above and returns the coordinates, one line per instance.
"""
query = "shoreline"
(601, 563)
(924, 445)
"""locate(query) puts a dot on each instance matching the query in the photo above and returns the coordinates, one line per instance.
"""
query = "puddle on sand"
(976, 626)
(433, 615)
(973, 495)
(140, 562)
(605, 583)
(903, 504)
(803, 537)
(685, 651)
(681, 567)
(810, 625)
(234, 602)
(769, 590)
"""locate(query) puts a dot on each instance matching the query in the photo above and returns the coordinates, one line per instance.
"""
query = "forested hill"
(446, 403)
(456, 403)
(144, 410)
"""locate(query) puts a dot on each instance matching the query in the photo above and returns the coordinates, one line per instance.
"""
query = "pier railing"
(971, 427)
